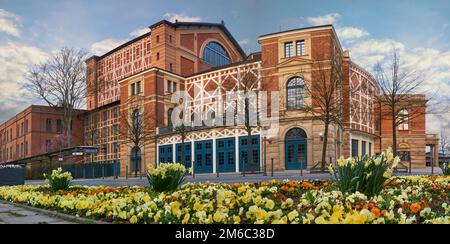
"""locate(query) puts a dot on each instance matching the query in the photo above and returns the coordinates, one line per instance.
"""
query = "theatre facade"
(137, 81)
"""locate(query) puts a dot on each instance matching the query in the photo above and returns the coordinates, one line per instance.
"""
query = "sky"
(30, 30)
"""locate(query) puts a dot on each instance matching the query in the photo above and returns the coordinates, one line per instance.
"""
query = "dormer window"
(288, 50)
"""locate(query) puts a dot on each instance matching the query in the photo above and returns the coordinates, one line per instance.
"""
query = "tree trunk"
(136, 161)
(394, 133)
(324, 146)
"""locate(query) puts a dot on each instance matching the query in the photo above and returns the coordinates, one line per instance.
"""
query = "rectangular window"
(59, 126)
(21, 129)
(48, 145)
(174, 87)
(370, 149)
(169, 86)
(355, 148)
(133, 89)
(17, 131)
(301, 48)
(363, 149)
(288, 49)
(49, 125)
(138, 87)
(26, 126)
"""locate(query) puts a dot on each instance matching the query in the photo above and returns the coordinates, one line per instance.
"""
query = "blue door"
(296, 150)
(225, 155)
(166, 154)
(203, 157)
(244, 154)
(186, 159)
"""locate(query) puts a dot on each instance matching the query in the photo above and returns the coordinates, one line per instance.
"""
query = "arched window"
(295, 91)
(215, 54)
(169, 118)
(403, 120)
(296, 134)
(136, 121)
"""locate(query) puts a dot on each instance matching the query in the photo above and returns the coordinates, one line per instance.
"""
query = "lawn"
(410, 200)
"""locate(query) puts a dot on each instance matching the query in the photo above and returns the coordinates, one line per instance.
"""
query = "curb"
(52, 213)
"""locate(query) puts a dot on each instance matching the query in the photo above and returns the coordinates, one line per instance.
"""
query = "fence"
(12, 177)
(78, 171)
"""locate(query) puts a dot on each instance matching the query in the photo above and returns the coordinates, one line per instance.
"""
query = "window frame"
(298, 90)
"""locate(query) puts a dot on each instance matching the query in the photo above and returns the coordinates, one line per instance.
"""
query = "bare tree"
(397, 97)
(324, 87)
(61, 83)
(137, 127)
(444, 143)
(247, 88)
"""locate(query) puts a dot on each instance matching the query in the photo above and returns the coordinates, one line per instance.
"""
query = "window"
(157, 39)
(169, 86)
(169, 118)
(174, 87)
(21, 129)
(288, 50)
(17, 131)
(49, 125)
(133, 89)
(370, 149)
(363, 149)
(301, 48)
(170, 38)
(355, 148)
(138, 87)
(170, 67)
(295, 93)
(403, 120)
(59, 126)
(115, 113)
(136, 120)
(215, 54)
(48, 145)
(157, 56)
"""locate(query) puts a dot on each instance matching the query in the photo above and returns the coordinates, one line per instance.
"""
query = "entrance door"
(244, 154)
(186, 160)
(225, 155)
(166, 154)
(296, 150)
(203, 157)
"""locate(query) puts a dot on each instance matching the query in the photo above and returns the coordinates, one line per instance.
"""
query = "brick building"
(205, 60)
(35, 131)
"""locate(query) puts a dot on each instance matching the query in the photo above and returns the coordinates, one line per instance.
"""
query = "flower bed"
(419, 199)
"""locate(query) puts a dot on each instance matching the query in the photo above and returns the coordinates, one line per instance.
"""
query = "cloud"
(14, 61)
(9, 23)
(324, 19)
(349, 33)
(140, 32)
(245, 42)
(106, 45)
(173, 17)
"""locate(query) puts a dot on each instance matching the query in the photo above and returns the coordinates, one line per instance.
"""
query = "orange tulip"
(376, 212)
(415, 208)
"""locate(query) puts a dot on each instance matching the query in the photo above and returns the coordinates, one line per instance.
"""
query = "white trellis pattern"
(363, 89)
(118, 65)
(208, 134)
(205, 89)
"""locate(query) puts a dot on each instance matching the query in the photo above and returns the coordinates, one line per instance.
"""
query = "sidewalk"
(13, 214)
(223, 178)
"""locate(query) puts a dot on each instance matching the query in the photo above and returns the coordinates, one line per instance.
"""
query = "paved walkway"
(223, 178)
(12, 214)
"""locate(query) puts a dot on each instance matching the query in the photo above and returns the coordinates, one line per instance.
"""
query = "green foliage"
(59, 180)
(446, 168)
(366, 175)
(167, 177)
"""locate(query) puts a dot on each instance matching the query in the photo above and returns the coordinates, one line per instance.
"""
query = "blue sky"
(30, 30)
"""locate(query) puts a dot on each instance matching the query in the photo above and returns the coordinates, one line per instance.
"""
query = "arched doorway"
(135, 160)
(296, 149)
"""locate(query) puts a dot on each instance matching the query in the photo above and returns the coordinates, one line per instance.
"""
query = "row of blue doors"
(225, 155)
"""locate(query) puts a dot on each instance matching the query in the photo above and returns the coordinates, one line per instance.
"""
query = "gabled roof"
(221, 26)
